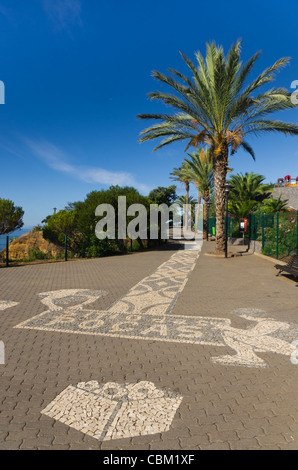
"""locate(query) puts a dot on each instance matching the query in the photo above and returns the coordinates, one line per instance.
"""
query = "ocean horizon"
(17, 233)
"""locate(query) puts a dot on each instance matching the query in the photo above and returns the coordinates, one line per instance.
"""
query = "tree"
(11, 216)
(62, 223)
(180, 174)
(201, 173)
(217, 108)
(182, 201)
(242, 209)
(78, 221)
(163, 195)
(247, 193)
(87, 221)
(273, 205)
(248, 187)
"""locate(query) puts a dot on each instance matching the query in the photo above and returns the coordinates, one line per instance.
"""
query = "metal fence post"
(252, 228)
(263, 232)
(277, 233)
(7, 250)
(65, 247)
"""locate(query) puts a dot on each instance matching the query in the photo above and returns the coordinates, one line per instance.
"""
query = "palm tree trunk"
(197, 211)
(220, 167)
(199, 197)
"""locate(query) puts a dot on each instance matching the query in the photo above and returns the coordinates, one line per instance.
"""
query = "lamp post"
(227, 187)
(208, 206)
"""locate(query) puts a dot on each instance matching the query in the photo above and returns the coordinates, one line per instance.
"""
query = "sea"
(15, 234)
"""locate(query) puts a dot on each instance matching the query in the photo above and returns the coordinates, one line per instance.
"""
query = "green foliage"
(36, 254)
(199, 170)
(215, 105)
(78, 222)
(86, 219)
(37, 228)
(11, 216)
(247, 194)
(272, 205)
(181, 201)
(212, 212)
(180, 174)
(286, 232)
(98, 248)
(248, 187)
(135, 245)
(242, 209)
(163, 195)
(60, 224)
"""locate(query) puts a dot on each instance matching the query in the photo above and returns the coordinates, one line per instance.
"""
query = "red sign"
(243, 225)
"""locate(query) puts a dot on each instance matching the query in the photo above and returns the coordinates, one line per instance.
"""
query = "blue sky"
(77, 73)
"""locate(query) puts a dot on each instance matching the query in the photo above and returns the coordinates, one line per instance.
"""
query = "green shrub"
(97, 248)
(135, 245)
(287, 236)
(36, 254)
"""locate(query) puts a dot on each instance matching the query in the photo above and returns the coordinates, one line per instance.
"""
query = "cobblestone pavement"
(158, 350)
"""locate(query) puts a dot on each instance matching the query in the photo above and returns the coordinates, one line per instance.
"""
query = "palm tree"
(201, 173)
(242, 209)
(180, 174)
(181, 201)
(216, 107)
(274, 205)
(247, 193)
(248, 187)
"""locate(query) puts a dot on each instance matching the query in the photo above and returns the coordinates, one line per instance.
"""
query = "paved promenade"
(163, 350)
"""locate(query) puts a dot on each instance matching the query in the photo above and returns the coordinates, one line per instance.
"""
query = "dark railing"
(277, 233)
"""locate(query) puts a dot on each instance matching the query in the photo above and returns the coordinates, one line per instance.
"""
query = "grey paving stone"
(223, 407)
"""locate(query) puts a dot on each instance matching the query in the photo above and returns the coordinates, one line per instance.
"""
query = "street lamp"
(208, 206)
(227, 187)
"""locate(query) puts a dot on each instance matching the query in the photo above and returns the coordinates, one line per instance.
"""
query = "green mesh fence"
(233, 226)
(211, 226)
(277, 233)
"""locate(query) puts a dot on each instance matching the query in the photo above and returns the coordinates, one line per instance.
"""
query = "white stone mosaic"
(145, 313)
(156, 293)
(115, 411)
(72, 299)
(4, 304)
(263, 335)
